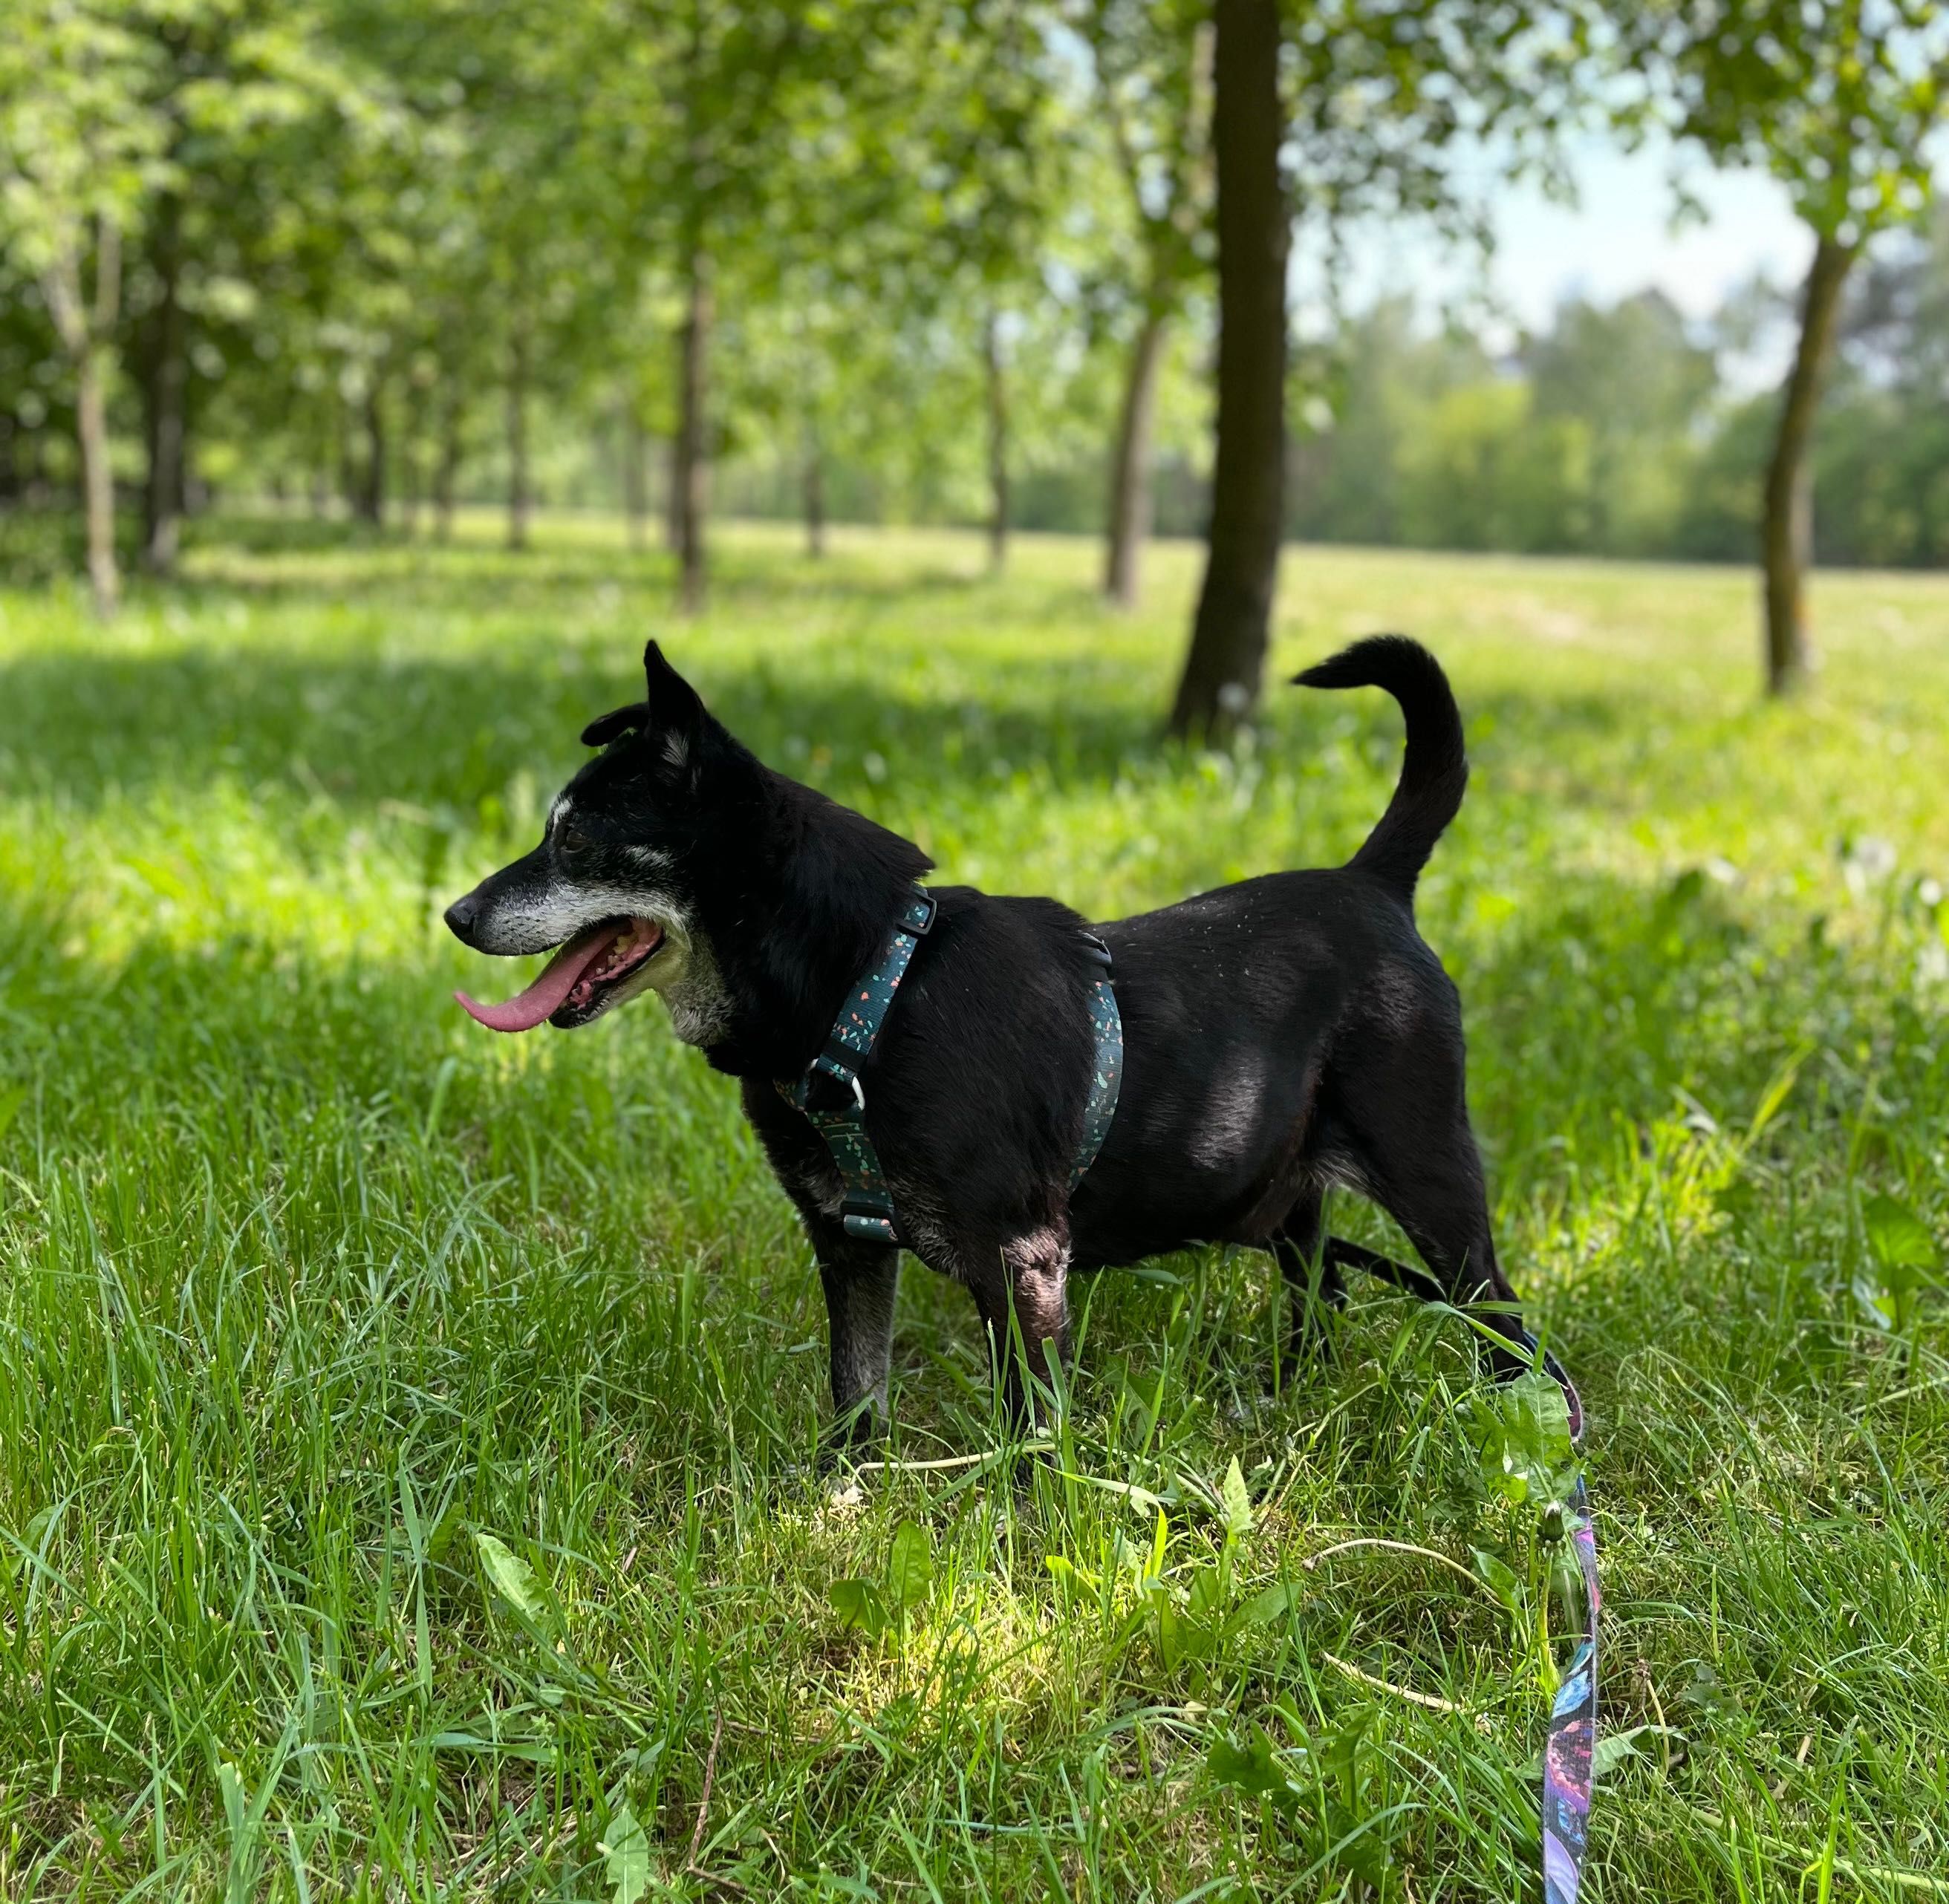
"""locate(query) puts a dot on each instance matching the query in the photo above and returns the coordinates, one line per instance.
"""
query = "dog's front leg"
(860, 1281)
(1021, 1289)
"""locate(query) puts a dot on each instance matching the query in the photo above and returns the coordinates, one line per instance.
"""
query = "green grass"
(307, 1284)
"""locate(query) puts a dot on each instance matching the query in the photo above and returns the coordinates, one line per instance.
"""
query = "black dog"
(1282, 1035)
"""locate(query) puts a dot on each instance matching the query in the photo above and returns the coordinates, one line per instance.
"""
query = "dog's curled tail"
(1435, 770)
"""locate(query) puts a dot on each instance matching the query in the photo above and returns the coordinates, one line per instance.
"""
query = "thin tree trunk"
(81, 329)
(691, 473)
(446, 473)
(348, 458)
(1130, 526)
(635, 500)
(998, 443)
(1226, 659)
(166, 398)
(91, 413)
(814, 497)
(517, 438)
(1787, 535)
(372, 487)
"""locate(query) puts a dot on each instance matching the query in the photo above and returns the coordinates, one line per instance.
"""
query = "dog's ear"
(676, 715)
(605, 727)
(673, 702)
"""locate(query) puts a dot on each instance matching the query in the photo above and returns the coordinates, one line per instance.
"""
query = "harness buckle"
(923, 897)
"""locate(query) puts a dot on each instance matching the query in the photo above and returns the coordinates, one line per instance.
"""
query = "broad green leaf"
(1527, 1453)
(1614, 1748)
(909, 1568)
(512, 1578)
(1250, 1765)
(1499, 1577)
(1273, 1603)
(1071, 1578)
(859, 1604)
(1236, 1502)
(626, 1857)
(1899, 1238)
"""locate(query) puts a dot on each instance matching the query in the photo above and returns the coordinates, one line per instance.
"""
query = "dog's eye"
(573, 840)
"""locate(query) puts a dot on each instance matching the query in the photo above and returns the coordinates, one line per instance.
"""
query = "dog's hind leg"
(1312, 1277)
(860, 1281)
(1437, 1195)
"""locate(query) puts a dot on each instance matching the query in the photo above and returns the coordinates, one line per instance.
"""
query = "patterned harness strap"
(866, 1204)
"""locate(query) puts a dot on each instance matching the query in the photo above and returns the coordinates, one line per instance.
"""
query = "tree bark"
(90, 414)
(635, 499)
(998, 443)
(166, 394)
(82, 330)
(372, 474)
(1222, 671)
(1130, 526)
(517, 437)
(1786, 533)
(815, 498)
(691, 472)
(446, 472)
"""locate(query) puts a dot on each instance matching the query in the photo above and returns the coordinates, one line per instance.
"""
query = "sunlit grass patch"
(308, 1289)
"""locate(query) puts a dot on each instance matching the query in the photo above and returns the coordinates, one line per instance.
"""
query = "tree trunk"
(81, 328)
(372, 484)
(1228, 639)
(165, 395)
(635, 500)
(691, 472)
(815, 498)
(1129, 526)
(998, 443)
(446, 473)
(1786, 534)
(91, 412)
(517, 438)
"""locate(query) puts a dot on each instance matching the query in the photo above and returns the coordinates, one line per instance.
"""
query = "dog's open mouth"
(579, 981)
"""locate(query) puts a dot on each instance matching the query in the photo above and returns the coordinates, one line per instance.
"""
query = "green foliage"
(889, 1603)
(1837, 100)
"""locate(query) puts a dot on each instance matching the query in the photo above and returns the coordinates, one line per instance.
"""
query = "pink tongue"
(545, 997)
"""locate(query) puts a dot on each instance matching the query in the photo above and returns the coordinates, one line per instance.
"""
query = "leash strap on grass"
(1570, 1750)
(866, 1205)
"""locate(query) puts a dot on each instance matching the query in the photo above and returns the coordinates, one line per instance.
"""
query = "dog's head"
(615, 881)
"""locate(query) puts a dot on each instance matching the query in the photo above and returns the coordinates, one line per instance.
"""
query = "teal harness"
(866, 1205)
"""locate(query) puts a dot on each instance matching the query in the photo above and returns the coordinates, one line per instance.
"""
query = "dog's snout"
(461, 915)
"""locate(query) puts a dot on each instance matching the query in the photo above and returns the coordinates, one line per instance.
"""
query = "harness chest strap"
(866, 1204)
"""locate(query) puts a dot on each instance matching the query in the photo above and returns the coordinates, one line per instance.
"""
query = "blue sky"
(1619, 238)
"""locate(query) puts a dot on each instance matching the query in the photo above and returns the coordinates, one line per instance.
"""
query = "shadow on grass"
(451, 733)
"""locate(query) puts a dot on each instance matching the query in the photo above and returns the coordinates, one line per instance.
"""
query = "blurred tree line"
(1616, 432)
(1003, 261)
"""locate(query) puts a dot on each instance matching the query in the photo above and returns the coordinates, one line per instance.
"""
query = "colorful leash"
(866, 1204)
(1569, 1751)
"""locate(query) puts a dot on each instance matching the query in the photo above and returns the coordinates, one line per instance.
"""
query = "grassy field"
(404, 1432)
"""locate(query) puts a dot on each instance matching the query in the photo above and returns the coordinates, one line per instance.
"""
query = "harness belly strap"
(866, 1205)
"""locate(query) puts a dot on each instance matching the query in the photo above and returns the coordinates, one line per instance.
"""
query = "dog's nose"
(460, 917)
